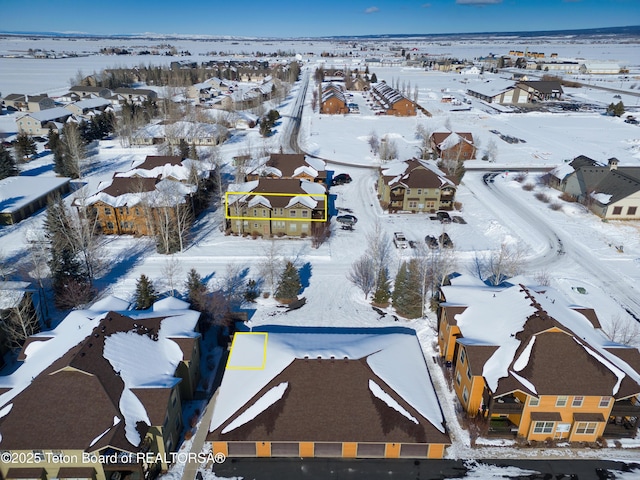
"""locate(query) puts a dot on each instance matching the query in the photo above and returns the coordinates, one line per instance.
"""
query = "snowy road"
(553, 247)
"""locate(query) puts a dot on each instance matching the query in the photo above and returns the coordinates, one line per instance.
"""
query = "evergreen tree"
(406, 292)
(289, 285)
(25, 146)
(183, 147)
(7, 164)
(382, 293)
(145, 294)
(252, 291)
(196, 290)
(374, 78)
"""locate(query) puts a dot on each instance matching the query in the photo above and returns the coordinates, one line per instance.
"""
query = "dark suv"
(341, 179)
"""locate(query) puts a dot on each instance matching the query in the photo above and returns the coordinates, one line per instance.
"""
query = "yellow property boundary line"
(264, 352)
(285, 219)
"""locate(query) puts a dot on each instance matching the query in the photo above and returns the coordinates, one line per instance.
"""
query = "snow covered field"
(495, 214)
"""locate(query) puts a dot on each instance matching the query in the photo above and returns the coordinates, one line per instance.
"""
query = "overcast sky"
(315, 18)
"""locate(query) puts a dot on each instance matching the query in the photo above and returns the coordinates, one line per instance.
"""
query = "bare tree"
(74, 147)
(271, 266)
(362, 274)
(374, 142)
(423, 133)
(38, 255)
(19, 322)
(171, 271)
(388, 149)
(500, 264)
(491, 150)
(623, 331)
(379, 250)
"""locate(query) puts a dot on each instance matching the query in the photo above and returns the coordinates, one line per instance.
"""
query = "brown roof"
(33, 472)
(75, 400)
(546, 416)
(588, 417)
(76, 472)
(123, 185)
(186, 344)
(439, 137)
(478, 356)
(559, 365)
(153, 161)
(330, 401)
(451, 312)
(281, 185)
(155, 401)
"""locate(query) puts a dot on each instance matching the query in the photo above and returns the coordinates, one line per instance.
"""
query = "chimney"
(613, 163)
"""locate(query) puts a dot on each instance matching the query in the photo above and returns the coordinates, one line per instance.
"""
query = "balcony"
(501, 427)
(625, 408)
(505, 405)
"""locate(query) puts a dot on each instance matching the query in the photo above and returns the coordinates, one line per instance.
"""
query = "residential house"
(415, 186)
(277, 206)
(453, 145)
(344, 393)
(199, 134)
(100, 396)
(202, 92)
(136, 96)
(534, 365)
(499, 91)
(36, 103)
(15, 102)
(135, 205)
(333, 100)
(292, 165)
(89, 106)
(610, 191)
(539, 91)
(91, 92)
(38, 123)
(21, 197)
(392, 102)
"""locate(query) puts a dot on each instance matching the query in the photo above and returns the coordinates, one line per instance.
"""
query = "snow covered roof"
(49, 114)
(415, 173)
(85, 384)
(16, 192)
(545, 345)
(264, 364)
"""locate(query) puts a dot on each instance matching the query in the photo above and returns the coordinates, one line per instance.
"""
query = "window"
(293, 227)
(604, 402)
(543, 427)
(107, 211)
(468, 372)
(458, 378)
(408, 191)
(413, 204)
(419, 191)
(586, 428)
(465, 395)
(305, 213)
(632, 210)
(110, 225)
(137, 211)
(561, 401)
(577, 401)
(617, 210)
(534, 402)
(255, 212)
(292, 213)
(462, 355)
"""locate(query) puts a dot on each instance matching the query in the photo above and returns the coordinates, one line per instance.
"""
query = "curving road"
(552, 245)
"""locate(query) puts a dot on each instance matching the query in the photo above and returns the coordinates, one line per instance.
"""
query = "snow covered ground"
(591, 255)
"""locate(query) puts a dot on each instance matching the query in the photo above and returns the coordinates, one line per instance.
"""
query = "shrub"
(520, 177)
(568, 197)
(543, 197)
(528, 187)
(555, 206)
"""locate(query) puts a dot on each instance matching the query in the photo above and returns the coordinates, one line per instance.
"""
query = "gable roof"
(344, 376)
(415, 173)
(95, 385)
(269, 192)
(544, 345)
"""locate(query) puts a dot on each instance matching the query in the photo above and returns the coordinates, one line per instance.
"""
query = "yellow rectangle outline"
(264, 357)
(269, 219)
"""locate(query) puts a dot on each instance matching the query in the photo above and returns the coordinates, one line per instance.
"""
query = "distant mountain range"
(629, 31)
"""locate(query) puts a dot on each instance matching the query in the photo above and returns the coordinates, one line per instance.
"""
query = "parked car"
(399, 240)
(431, 241)
(443, 217)
(445, 240)
(341, 179)
(347, 219)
